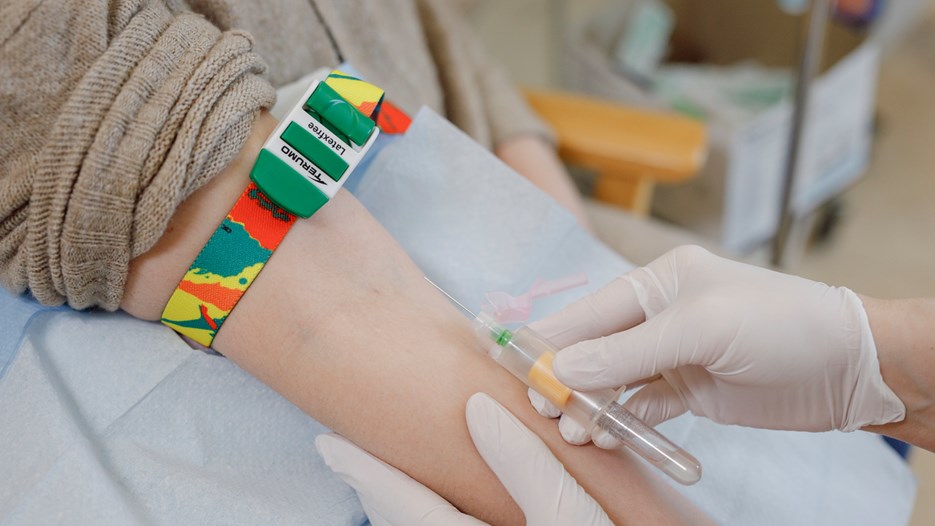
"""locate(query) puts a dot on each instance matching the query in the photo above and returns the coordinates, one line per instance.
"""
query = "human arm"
(735, 343)
(904, 332)
(341, 323)
(521, 461)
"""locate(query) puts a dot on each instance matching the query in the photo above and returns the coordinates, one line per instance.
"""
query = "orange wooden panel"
(620, 141)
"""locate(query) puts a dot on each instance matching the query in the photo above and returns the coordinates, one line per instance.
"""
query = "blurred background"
(817, 131)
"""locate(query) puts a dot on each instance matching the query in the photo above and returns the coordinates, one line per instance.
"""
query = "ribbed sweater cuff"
(165, 108)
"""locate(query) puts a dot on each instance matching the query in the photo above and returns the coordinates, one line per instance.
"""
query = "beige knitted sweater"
(113, 112)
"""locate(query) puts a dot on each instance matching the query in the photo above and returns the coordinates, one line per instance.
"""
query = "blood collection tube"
(528, 356)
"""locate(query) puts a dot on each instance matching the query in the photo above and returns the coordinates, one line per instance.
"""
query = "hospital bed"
(109, 420)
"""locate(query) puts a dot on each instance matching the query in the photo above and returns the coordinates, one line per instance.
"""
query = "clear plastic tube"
(528, 357)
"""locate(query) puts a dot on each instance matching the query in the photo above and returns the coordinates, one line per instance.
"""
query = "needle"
(458, 303)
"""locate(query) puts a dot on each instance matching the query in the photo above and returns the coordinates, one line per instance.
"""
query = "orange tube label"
(545, 383)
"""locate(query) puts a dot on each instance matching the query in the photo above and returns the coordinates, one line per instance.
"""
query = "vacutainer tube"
(529, 356)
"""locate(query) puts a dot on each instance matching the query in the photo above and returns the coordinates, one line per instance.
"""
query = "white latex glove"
(735, 343)
(535, 479)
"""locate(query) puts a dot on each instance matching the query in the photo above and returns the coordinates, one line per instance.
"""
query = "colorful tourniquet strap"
(300, 168)
(227, 266)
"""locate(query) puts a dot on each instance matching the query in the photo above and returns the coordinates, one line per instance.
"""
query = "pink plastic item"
(510, 309)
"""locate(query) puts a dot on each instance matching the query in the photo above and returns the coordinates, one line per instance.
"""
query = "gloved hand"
(735, 343)
(535, 479)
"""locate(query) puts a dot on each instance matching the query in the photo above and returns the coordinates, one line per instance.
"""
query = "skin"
(341, 323)
(904, 333)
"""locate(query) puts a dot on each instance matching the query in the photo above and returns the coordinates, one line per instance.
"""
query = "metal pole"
(808, 66)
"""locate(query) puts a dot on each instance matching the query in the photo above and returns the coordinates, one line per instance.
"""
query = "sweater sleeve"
(112, 114)
(479, 95)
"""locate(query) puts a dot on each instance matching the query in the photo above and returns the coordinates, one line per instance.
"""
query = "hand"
(735, 343)
(535, 479)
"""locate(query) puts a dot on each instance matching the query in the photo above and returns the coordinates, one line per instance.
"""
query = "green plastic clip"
(341, 115)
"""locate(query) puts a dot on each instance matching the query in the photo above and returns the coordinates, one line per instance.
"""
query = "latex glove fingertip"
(543, 406)
(526, 467)
(604, 440)
(572, 431)
(489, 422)
(511, 450)
(333, 448)
(389, 496)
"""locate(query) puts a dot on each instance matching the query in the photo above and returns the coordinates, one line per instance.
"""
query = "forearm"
(341, 323)
(536, 160)
(904, 334)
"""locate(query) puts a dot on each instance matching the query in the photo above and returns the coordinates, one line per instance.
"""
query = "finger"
(655, 403)
(604, 440)
(535, 479)
(657, 285)
(638, 295)
(389, 496)
(573, 432)
(629, 356)
(612, 308)
(543, 406)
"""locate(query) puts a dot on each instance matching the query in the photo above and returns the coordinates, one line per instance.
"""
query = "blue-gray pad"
(111, 420)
